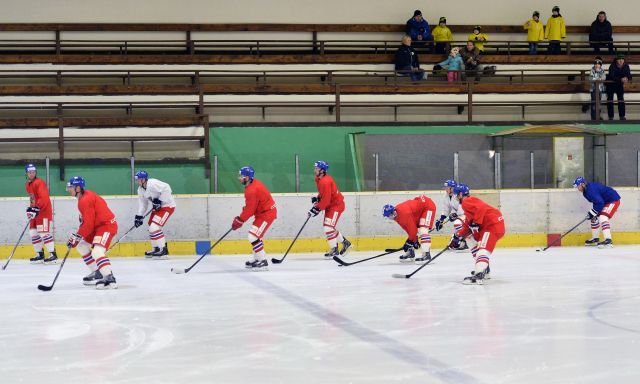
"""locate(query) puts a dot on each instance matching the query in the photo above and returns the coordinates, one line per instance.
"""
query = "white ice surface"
(568, 315)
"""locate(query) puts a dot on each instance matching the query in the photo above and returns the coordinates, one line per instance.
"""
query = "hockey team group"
(477, 225)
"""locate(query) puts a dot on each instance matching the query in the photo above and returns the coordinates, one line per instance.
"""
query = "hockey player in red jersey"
(483, 227)
(97, 227)
(258, 203)
(331, 201)
(416, 217)
(40, 215)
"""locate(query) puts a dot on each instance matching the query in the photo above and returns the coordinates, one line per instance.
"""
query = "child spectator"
(454, 65)
(601, 33)
(442, 36)
(418, 28)
(406, 60)
(597, 74)
(478, 38)
(471, 58)
(619, 75)
(555, 31)
(535, 32)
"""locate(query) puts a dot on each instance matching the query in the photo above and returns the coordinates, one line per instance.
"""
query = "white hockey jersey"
(451, 204)
(156, 189)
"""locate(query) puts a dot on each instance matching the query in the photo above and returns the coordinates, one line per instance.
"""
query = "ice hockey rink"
(567, 315)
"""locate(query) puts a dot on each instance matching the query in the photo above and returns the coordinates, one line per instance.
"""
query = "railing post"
(456, 164)
(190, 45)
(532, 170)
(497, 171)
(606, 167)
(215, 173)
(297, 171)
(376, 158)
(58, 43)
(47, 165)
(314, 39)
(133, 174)
(598, 100)
(469, 101)
(338, 103)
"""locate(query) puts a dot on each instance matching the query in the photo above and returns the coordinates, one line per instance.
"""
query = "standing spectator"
(619, 75)
(442, 36)
(418, 28)
(555, 31)
(601, 33)
(478, 38)
(407, 60)
(535, 32)
(597, 74)
(454, 65)
(471, 59)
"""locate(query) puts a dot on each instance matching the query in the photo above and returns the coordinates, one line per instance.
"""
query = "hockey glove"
(454, 243)
(314, 211)
(157, 203)
(410, 244)
(237, 223)
(137, 221)
(440, 222)
(314, 199)
(453, 217)
(592, 213)
(73, 241)
(32, 212)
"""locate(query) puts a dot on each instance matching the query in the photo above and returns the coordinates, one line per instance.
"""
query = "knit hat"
(443, 20)
(536, 13)
(556, 9)
(620, 56)
(598, 60)
(417, 13)
(479, 28)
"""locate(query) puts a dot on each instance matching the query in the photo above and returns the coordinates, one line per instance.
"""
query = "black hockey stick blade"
(393, 249)
(401, 276)
(278, 261)
(47, 288)
(183, 270)
(345, 264)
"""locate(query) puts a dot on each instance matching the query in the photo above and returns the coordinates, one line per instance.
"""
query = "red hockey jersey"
(94, 212)
(328, 194)
(39, 196)
(408, 214)
(257, 199)
(478, 212)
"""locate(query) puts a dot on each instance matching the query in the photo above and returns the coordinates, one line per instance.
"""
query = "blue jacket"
(453, 63)
(414, 29)
(600, 195)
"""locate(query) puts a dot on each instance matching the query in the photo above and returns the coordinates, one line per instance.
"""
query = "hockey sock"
(482, 260)
(595, 228)
(91, 263)
(340, 237)
(36, 240)
(332, 236)
(258, 250)
(425, 240)
(47, 239)
(102, 261)
(606, 227)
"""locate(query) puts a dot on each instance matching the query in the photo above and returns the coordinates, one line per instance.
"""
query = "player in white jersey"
(158, 193)
(451, 209)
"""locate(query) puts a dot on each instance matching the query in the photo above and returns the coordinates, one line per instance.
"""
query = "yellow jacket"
(535, 31)
(442, 34)
(555, 30)
(478, 43)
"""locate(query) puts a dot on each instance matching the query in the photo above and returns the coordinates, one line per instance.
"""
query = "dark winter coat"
(616, 73)
(415, 28)
(406, 57)
(601, 31)
(470, 56)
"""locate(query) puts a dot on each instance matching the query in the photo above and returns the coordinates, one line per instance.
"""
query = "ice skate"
(92, 278)
(259, 265)
(331, 253)
(52, 259)
(161, 254)
(607, 243)
(38, 259)
(487, 273)
(425, 257)
(462, 247)
(248, 263)
(408, 256)
(149, 254)
(107, 282)
(474, 279)
(592, 242)
(346, 245)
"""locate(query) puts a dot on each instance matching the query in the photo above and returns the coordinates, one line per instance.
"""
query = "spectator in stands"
(406, 60)
(471, 58)
(418, 28)
(601, 33)
(442, 36)
(597, 74)
(478, 38)
(619, 75)
(454, 65)
(555, 31)
(535, 32)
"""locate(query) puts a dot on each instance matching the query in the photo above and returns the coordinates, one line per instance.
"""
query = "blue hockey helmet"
(450, 183)
(76, 181)
(247, 171)
(142, 175)
(323, 165)
(388, 210)
(579, 180)
(29, 168)
(462, 188)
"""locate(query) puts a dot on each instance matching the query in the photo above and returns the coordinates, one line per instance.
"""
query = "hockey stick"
(182, 270)
(565, 234)
(345, 264)
(16, 246)
(398, 249)
(126, 233)
(278, 261)
(401, 276)
(47, 288)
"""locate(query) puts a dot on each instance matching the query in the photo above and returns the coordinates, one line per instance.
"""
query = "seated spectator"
(471, 58)
(535, 32)
(478, 38)
(442, 36)
(555, 31)
(619, 75)
(406, 60)
(418, 28)
(601, 33)
(454, 65)
(597, 74)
